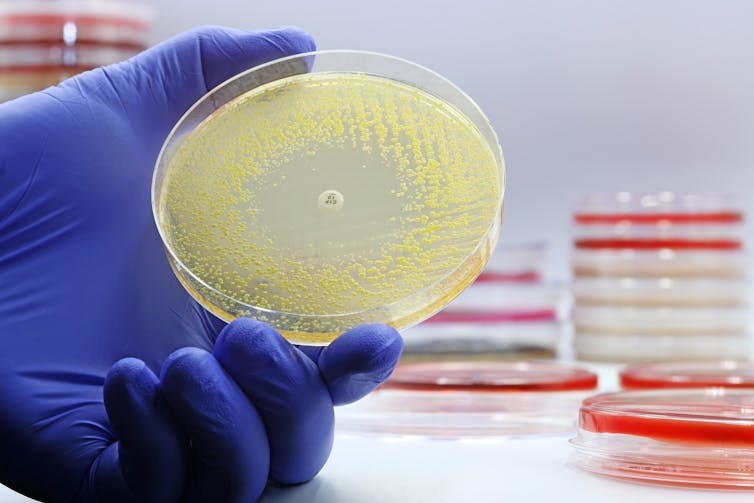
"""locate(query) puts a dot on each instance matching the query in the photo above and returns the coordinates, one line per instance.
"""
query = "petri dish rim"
(480, 121)
(490, 376)
(703, 374)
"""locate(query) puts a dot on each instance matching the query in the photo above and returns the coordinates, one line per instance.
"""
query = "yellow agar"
(418, 192)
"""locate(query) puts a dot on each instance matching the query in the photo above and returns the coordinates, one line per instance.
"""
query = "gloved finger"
(148, 462)
(159, 85)
(358, 361)
(289, 393)
(227, 435)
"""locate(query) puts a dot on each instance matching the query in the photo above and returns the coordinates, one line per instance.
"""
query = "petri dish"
(330, 189)
(484, 340)
(472, 398)
(614, 347)
(522, 262)
(725, 374)
(491, 376)
(660, 210)
(663, 262)
(661, 320)
(687, 437)
(669, 292)
(510, 297)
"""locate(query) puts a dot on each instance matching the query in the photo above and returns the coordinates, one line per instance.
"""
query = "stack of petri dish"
(463, 398)
(659, 277)
(43, 42)
(509, 312)
(675, 423)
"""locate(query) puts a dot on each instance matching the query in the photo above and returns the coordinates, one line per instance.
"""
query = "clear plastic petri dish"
(663, 291)
(329, 189)
(720, 374)
(692, 437)
(472, 398)
(613, 347)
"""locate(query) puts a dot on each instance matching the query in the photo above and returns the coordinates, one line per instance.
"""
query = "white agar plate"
(330, 189)
(661, 320)
(664, 262)
(613, 347)
(701, 292)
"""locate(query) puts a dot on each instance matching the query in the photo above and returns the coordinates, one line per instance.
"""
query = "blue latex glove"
(84, 284)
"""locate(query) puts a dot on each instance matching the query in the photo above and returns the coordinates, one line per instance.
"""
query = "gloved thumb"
(156, 87)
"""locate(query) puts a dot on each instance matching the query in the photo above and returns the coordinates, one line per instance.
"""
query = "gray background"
(586, 96)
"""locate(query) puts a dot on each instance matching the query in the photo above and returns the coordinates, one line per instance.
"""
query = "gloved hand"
(84, 283)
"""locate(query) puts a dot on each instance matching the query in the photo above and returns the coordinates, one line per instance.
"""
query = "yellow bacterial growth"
(322, 201)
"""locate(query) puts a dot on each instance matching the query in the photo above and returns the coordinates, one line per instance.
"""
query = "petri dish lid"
(727, 374)
(689, 437)
(471, 399)
(491, 377)
(330, 189)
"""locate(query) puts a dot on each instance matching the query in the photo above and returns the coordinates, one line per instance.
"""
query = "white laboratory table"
(373, 469)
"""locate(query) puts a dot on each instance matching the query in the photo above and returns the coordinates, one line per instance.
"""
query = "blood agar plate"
(687, 437)
(721, 374)
(472, 398)
(330, 189)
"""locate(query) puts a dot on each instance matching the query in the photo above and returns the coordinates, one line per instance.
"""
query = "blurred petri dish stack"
(660, 277)
(509, 312)
(43, 42)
